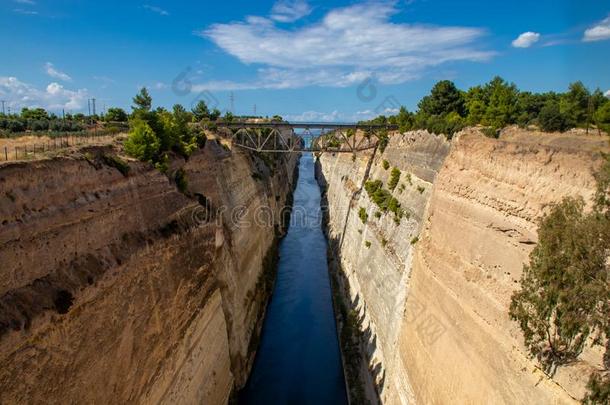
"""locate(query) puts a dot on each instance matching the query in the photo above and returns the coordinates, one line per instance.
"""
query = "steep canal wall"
(429, 292)
(118, 285)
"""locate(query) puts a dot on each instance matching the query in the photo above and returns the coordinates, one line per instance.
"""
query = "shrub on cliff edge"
(565, 289)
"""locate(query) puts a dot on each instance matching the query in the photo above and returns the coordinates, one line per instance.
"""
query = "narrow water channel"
(298, 360)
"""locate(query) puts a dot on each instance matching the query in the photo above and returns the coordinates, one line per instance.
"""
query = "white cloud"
(56, 74)
(53, 97)
(607, 93)
(155, 9)
(346, 46)
(526, 39)
(599, 31)
(28, 2)
(290, 10)
(25, 12)
(336, 116)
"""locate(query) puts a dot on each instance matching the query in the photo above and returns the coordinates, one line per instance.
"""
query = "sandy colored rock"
(121, 289)
(438, 311)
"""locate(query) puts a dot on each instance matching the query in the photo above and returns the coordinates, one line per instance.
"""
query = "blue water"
(298, 360)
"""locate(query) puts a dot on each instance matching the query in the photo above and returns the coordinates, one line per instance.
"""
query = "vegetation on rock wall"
(363, 215)
(383, 198)
(394, 178)
(565, 289)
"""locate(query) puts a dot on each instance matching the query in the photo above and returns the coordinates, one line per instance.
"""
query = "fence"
(17, 149)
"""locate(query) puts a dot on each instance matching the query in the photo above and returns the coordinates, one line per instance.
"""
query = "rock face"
(433, 291)
(122, 289)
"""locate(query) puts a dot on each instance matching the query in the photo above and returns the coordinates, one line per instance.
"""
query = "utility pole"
(89, 106)
(93, 105)
(589, 113)
(3, 101)
(255, 110)
(232, 100)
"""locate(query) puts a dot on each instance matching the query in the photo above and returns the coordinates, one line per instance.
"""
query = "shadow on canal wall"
(357, 344)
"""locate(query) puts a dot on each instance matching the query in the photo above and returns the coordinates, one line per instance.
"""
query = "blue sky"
(312, 60)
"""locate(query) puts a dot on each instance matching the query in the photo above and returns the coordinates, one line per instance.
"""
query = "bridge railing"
(313, 137)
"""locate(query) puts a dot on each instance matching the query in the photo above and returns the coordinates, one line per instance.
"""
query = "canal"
(298, 360)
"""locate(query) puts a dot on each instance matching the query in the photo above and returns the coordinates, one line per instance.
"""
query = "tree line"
(497, 104)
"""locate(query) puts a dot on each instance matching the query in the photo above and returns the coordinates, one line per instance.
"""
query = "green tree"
(404, 120)
(564, 289)
(215, 114)
(34, 114)
(575, 103)
(602, 117)
(229, 117)
(476, 100)
(528, 107)
(502, 106)
(444, 98)
(116, 115)
(142, 142)
(551, 119)
(201, 111)
(142, 101)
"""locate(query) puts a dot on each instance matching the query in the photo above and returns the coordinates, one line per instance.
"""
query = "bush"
(421, 189)
(385, 164)
(115, 115)
(15, 126)
(551, 119)
(383, 198)
(564, 295)
(394, 179)
(384, 139)
(599, 390)
(367, 244)
(38, 125)
(363, 215)
(142, 143)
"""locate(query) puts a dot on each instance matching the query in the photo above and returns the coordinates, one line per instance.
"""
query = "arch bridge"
(291, 137)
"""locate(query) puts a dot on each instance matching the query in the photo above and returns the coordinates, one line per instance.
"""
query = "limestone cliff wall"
(433, 291)
(122, 289)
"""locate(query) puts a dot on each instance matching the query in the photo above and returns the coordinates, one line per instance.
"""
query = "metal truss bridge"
(294, 137)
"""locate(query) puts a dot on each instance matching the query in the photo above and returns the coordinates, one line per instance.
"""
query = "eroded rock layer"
(433, 290)
(129, 288)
